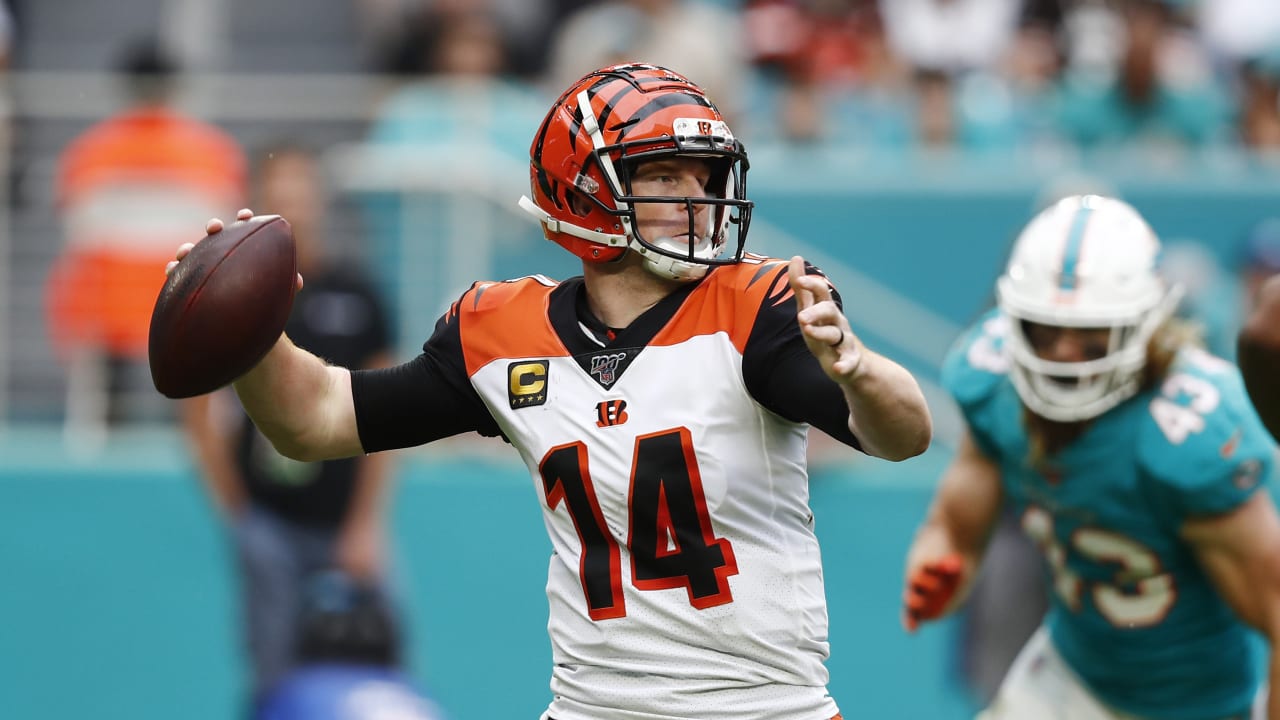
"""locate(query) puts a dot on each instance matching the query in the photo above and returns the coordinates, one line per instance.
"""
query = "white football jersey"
(670, 461)
(686, 579)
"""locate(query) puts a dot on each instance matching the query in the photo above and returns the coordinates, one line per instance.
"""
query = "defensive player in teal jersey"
(1133, 459)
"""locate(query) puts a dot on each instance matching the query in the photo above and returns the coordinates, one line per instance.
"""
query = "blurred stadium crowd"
(1014, 81)
(975, 74)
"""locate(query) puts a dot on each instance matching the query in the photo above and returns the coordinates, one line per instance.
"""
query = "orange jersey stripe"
(506, 320)
(510, 319)
(729, 301)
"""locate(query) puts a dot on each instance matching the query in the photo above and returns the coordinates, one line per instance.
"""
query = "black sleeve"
(783, 376)
(425, 399)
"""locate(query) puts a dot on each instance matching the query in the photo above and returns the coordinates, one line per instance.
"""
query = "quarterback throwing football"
(661, 402)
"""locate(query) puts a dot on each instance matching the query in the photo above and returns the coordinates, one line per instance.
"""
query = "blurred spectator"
(935, 109)
(457, 88)
(822, 71)
(1138, 75)
(349, 665)
(951, 35)
(461, 37)
(976, 111)
(1260, 260)
(833, 43)
(1036, 58)
(457, 110)
(129, 188)
(1219, 296)
(289, 519)
(1236, 30)
(833, 72)
(7, 28)
(530, 27)
(400, 31)
(704, 40)
(1093, 37)
(1259, 106)
(993, 100)
(1211, 298)
(1005, 606)
(1047, 14)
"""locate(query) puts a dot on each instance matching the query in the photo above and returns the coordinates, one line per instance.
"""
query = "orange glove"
(930, 589)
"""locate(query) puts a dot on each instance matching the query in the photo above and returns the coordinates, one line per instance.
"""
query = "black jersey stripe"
(764, 269)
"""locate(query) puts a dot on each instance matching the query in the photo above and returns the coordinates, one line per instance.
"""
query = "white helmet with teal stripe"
(1085, 262)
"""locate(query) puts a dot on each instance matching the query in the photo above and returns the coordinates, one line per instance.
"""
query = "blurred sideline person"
(1259, 350)
(1006, 604)
(289, 519)
(1212, 299)
(128, 188)
(458, 102)
(1134, 462)
(1260, 260)
(348, 660)
(661, 402)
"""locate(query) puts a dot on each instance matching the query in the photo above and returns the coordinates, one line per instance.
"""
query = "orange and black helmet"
(595, 135)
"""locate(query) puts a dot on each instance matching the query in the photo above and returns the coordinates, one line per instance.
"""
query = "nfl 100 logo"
(605, 367)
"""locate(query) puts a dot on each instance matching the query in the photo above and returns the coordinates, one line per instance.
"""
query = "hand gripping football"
(223, 307)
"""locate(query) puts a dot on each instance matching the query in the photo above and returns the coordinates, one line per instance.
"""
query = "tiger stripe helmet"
(588, 146)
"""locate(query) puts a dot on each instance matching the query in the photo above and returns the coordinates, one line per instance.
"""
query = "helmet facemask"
(725, 212)
(1081, 390)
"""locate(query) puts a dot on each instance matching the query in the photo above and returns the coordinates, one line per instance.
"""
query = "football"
(1259, 355)
(223, 307)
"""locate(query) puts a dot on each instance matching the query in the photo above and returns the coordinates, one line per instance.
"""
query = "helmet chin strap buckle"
(543, 216)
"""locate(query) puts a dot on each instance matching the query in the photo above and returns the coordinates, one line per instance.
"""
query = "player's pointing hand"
(826, 330)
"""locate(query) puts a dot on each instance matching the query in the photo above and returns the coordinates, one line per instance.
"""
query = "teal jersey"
(1131, 610)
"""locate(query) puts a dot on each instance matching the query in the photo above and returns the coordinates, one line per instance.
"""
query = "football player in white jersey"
(661, 402)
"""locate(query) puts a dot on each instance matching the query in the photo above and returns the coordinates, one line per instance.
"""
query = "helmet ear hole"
(578, 204)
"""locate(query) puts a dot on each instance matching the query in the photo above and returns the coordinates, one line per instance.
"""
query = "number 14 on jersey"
(669, 535)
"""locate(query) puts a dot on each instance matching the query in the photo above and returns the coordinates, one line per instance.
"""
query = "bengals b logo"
(610, 413)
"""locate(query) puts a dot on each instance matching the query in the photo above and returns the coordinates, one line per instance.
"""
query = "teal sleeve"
(972, 371)
(1204, 446)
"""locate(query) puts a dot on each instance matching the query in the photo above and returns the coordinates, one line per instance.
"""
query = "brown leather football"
(223, 307)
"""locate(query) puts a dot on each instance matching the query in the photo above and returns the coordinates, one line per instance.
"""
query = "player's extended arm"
(949, 545)
(300, 403)
(1259, 355)
(1240, 551)
(887, 410)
